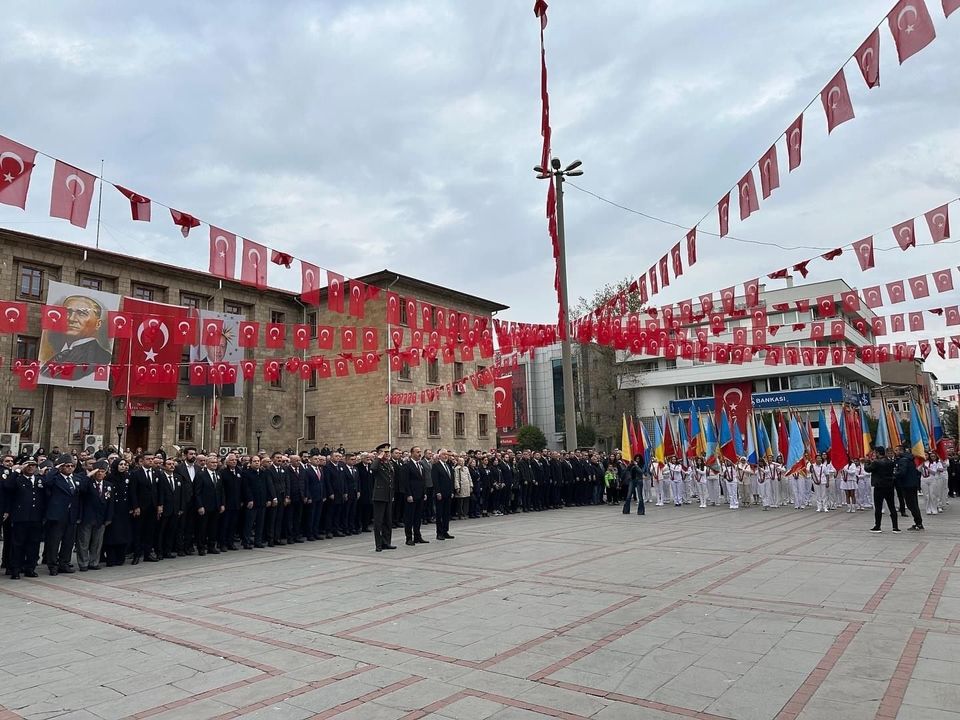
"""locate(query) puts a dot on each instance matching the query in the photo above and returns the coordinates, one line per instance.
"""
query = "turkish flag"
(309, 283)
(248, 369)
(13, 317)
(396, 337)
(895, 292)
(53, 318)
(943, 279)
(306, 371)
(198, 373)
(253, 268)
(301, 336)
(801, 267)
(905, 234)
(29, 375)
(747, 190)
(271, 370)
(101, 373)
(832, 254)
(952, 315)
(778, 274)
(872, 297)
(249, 334)
(393, 308)
(868, 58)
(16, 167)
(735, 398)
(72, 194)
(185, 221)
(664, 272)
(278, 257)
(691, 247)
(726, 300)
(686, 311)
(821, 355)
(185, 331)
(334, 292)
(919, 288)
(503, 401)
(795, 143)
(723, 213)
(370, 339)
(223, 253)
(675, 260)
(816, 330)
(340, 367)
(358, 297)
(793, 356)
(120, 325)
(860, 325)
(348, 337)
(837, 329)
(896, 323)
(916, 321)
(139, 205)
(774, 356)
(850, 301)
(769, 172)
(949, 6)
(758, 336)
(751, 291)
(836, 101)
(276, 335)
(325, 334)
(938, 220)
(740, 336)
(864, 252)
(911, 26)
(411, 313)
(212, 332)
(426, 317)
(826, 306)
(150, 345)
(923, 348)
(802, 305)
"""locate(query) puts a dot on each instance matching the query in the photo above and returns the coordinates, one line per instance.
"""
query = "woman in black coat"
(119, 533)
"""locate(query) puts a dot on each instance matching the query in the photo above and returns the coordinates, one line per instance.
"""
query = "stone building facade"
(292, 412)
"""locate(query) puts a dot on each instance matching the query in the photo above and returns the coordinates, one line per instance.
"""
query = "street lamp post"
(258, 432)
(569, 409)
(120, 439)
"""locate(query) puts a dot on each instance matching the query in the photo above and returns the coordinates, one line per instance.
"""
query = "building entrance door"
(138, 435)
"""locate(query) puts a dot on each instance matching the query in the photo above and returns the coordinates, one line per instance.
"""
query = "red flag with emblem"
(309, 283)
(370, 338)
(868, 59)
(150, 346)
(16, 167)
(13, 317)
(911, 26)
(747, 191)
(943, 279)
(348, 337)
(795, 143)
(53, 318)
(301, 336)
(72, 194)
(938, 220)
(358, 298)
(185, 332)
(769, 172)
(895, 292)
(676, 261)
(864, 252)
(905, 234)
(335, 292)
(836, 101)
(276, 335)
(253, 268)
(919, 287)
(212, 332)
(723, 213)
(139, 205)
(691, 247)
(184, 220)
(503, 401)
(248, 334)
(223, 253)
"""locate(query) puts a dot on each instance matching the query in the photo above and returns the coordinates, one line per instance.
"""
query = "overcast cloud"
(402, 133)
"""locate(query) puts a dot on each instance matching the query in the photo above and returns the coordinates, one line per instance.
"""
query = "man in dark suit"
(208, 505)
(396, 458)
(95, 514)
(296, 486)
(382, 468)
(24, 502)
(337, 485)
(413, 489)
(62, 515)
(352, 475)
(145, 512)
(186, 471)
(365, 504)
(170, 498)
(256, 491)
(317, 496)
(443, 492)
(527, 481)
(230, 477)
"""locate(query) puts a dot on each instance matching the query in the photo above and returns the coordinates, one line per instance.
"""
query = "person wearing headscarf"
(118, 536)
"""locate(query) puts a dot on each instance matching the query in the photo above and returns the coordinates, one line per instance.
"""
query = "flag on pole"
(626, 449)
(838, 453)
(694, 447)
(917, 448)
(751, 440)
(737, 439)
(774, 437)
(867, 439)
(709, 434)
(763, 441)
(635, 448)
(783, 434)
(659, 452)
(823, 441)
(883, 435)
(726, 438)
(684, 440)
(669, 445)
(644, 441)
(795, 457)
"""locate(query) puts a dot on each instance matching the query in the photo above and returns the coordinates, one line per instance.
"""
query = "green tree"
(530, 437)
(586, 436)
(950, 423)
(603, 295)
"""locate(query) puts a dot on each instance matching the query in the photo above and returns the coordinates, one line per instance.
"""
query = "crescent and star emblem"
(79, 186)
(831, 95)
(7, 177)
(13, 314)
(221, 244)
(908, 10)
(795, 136)
(150, 354)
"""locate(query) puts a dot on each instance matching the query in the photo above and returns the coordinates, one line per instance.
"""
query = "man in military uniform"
(382, 468)
(24, 507)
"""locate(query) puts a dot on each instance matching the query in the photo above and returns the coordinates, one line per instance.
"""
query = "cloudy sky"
(401, 133)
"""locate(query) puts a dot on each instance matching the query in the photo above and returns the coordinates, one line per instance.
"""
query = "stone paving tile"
(732, 615)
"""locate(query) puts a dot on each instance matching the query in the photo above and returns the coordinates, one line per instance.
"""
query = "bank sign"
(800, 398)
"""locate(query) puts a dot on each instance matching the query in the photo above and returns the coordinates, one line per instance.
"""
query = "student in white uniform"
(700, 473)
(849, 481)
(864, 488)
(799, 482)
(820, 476)
(745, 476)
(779, 491)
(689, 481)
(677, 474)
(713, 484)
(940, 473)
(765, 483)
(657, 477)
(927, 483)
(728, 475)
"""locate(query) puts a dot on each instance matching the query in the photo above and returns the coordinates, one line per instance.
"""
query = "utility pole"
(566, 357)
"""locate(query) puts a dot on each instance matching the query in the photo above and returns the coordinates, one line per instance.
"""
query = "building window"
(403, 312)
(90, 282)
(192, 301)
(144, 292)
(689, 392)
(185, 365)
(277, 316)
(760, 386)
(185, 426)
(312, 322)
(480, 369)
(404, 372)
(457, 371)
(312, 380)
(232, 308)
(28, 348)
(433, 423)
(31, 282)
(483, 428)
(776, 383)
(278, 383)
(406, 422)
(459, 425)
(21, 421)
(80, 425)
(311, 431)
(230, 430)
(433, 371)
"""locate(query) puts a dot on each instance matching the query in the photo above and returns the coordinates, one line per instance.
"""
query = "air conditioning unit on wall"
(92, 443)
(10, 443)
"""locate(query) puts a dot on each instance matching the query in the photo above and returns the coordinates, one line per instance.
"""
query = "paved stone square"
(578, 613)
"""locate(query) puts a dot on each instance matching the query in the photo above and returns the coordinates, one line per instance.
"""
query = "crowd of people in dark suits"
(109, 508)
